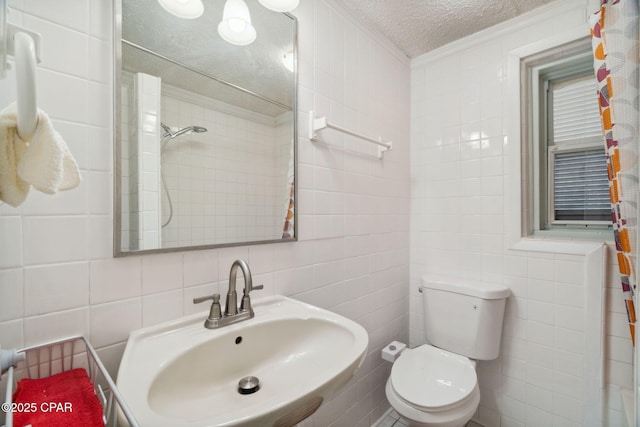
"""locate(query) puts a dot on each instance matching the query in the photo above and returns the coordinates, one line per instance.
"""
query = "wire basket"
(52, 358)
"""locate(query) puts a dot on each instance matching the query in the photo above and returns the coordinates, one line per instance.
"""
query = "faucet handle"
(214, 297)
(215, 313)
(245, 304)
(253, 288)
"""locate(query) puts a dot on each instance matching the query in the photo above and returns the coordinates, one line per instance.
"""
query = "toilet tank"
(463, 316)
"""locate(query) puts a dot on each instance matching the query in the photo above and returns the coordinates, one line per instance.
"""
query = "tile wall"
(222, 182)
(57, 274)
(460, 217)
(147, 161)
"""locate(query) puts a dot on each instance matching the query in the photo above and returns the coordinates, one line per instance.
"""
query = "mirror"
(205, 130)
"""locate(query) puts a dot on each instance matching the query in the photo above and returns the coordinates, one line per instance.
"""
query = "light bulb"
(186, 9)
(280, 5)
(235, 27)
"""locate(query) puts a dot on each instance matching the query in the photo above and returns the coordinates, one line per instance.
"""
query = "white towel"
(46, 162)
(13, 190)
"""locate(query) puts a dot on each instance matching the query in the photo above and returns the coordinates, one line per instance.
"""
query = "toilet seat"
(433, 380)
(455, 417)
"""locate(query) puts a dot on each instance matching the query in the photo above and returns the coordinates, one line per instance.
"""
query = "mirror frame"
(117, 150)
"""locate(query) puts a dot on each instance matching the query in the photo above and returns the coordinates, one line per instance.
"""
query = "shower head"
(190, 129)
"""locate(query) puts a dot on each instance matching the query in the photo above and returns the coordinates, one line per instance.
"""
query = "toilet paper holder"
(392, 351)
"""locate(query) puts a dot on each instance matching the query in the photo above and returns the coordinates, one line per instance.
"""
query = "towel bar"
(316, 124)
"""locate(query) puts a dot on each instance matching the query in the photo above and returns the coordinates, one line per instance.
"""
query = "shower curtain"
(614, 31)
(288, 227)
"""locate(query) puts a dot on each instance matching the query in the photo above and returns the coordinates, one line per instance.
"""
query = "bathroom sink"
(180, 373)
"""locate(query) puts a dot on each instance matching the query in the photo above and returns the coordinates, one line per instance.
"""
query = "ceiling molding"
(501, 29)
(216, 105)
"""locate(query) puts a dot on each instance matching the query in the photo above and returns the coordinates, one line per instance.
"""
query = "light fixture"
(280, 5)
(186, 9)
(235, 26)
(287, 60)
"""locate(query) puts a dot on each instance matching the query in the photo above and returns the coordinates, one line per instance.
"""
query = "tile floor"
(392, 419)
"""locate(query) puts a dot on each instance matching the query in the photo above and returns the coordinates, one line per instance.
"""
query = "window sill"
(566, 247)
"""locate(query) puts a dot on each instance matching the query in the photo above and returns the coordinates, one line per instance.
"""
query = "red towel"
(61, 400)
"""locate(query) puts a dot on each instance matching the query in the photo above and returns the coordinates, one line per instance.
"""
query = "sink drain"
(248, 385)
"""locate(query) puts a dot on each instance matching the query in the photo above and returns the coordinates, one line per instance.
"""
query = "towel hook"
(25, 45)
(26, 102)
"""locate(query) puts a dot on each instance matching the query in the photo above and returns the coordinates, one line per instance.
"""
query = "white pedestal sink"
(181, 374)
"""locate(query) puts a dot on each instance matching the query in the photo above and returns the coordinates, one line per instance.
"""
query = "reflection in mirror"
(205, 152)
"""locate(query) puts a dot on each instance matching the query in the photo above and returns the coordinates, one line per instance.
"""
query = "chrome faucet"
(231, 312)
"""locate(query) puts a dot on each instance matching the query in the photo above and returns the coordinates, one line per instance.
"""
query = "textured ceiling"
(419, 26)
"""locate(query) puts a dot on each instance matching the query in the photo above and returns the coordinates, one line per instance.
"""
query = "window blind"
(581, 186)
(576, 116)
(579, 173)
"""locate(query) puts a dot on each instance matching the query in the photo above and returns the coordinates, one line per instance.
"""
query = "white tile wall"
(55, 287)
(147, 146)
(459, 223)
(57, 276)
(12, 289)
(221, 182)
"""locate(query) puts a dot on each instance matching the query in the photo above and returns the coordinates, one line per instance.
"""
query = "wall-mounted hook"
(26, 47)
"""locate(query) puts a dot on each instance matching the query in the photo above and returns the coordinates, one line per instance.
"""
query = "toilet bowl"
(429, 386)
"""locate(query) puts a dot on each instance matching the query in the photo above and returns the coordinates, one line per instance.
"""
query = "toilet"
(436, 384)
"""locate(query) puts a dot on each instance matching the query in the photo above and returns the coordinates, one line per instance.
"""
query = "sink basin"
(180, 373)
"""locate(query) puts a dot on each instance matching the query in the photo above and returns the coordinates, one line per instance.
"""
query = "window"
(568, 187)
(578, 190)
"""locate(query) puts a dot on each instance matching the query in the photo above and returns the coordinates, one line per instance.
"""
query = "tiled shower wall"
(140, 161)
(148, 160)
(460, 217)
(222, 182)
(57, 274)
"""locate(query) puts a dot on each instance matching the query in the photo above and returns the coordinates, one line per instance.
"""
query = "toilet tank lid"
(465, 286)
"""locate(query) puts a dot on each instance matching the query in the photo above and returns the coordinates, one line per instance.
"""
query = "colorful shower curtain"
(288, 227)
(614, 31)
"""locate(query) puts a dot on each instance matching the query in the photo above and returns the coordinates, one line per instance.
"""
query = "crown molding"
(502, 29)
